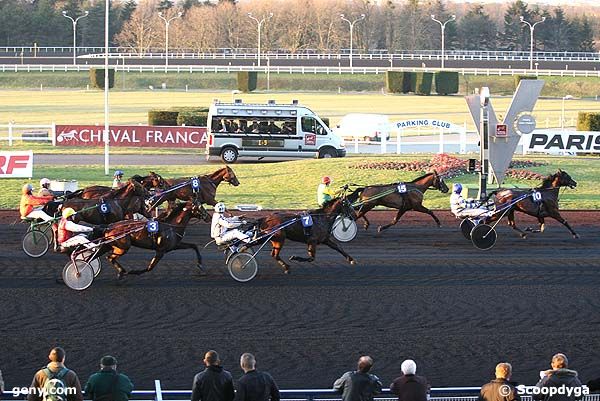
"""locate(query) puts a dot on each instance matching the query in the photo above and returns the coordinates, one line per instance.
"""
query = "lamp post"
(443, 26)
(562, 114)
(351, 23)
(259, 23)
(531, 29)
(74, 21)
(106, 132)
(167, 23)
(484, 155)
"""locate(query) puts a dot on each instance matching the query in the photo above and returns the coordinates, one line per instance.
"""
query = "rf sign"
(152, 226)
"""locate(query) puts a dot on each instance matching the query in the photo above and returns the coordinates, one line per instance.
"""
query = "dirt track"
(417, 292)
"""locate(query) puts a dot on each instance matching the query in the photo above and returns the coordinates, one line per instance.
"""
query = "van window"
(254, 125)
(309, 124)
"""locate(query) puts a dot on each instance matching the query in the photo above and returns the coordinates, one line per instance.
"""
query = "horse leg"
(423, 209)
(394, 221)
(556, 216)
(186, 245)
(362, 214)
(277, 245)
(158, 255)
(312, 251)
(115, 254)
(335, 246)
(513, 224)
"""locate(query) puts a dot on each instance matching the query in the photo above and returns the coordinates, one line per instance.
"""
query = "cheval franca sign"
(133, 136)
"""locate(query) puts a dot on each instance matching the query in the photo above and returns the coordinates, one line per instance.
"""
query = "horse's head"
(562, 179)
(439, 183)
(153, 180)
(229, 176)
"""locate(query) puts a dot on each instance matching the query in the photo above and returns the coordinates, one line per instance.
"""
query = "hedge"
(246, 81)
(518, 78)
(423, 83)
(446, 82)
(588, 121)
(162, 117)
(192, 119)
(97, 78)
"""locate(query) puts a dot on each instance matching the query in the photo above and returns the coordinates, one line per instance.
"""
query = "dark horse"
(389, 195)
(171, 228)
(319, 233)
(547, 206)
(206, 193)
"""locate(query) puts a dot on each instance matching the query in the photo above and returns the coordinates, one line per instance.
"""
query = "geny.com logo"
(60, 392)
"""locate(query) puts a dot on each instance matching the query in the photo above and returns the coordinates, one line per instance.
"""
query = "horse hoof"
(575, 236)
(524, 236)
(292, 258)
(286, 270)
(201, 270)
(353, 262)
(379, 229)
(121, 274)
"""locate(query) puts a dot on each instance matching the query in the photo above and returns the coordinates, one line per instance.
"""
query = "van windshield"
(310, 124)
(254, 125)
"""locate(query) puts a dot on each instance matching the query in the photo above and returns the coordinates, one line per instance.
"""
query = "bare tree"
(140, 33)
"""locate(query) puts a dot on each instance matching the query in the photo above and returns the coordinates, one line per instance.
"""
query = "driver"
(45, 188)
(225, 229)
(71, 234)
(462, 207)
(118, 176)
(324, 191)
(31, 205)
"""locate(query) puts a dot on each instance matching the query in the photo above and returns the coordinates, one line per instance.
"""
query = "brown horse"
(546, 206)
(389, 195)
(319, 233)
(171, 228)
(205, 194)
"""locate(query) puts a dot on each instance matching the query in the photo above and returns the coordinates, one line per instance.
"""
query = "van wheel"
(229, 154)
(326, 153)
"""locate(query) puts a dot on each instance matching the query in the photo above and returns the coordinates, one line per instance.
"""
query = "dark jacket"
(108, 385)
(70, 379)
(499, 390)
(257, 386)
(410, 388)
(357, 386)
(213, 384)
(559, 378)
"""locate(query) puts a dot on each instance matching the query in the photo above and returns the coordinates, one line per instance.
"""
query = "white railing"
(27, 132)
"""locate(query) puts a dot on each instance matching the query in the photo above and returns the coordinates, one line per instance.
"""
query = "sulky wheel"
(483, 236)
(242, 266)
(78, 274)
(344, 229)
(35, 243)
(95, 264)
(466, 226)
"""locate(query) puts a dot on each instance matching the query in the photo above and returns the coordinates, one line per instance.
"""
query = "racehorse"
(547, 206)
(319, 232)
(205, 194)
(389, 195)
(103, 191)
(123, 235)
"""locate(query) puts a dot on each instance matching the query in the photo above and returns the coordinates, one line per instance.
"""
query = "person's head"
(45, 183)
(211, 358)
(27, 189)
(118, 174)
(220, 207)
(247, 362)
(326, 180)
(503, 370)
(559, 361)
(457, 188)
(408, 367)
(365, 363)
(68, 212)
(57, 354)
(108, 362)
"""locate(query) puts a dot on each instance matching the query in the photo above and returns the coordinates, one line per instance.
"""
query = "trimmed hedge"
(588, 121)
(398, 81)
(446, 82)
(192, 116)
(97, 78)
(423, 83)
(246, 81)
(518, 78)
(192, 119)
(162, 117)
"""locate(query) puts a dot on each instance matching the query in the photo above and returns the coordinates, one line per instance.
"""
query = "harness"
(194, 182)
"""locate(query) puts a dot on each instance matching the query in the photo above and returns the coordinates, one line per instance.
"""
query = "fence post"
(10, 133)
(441, 150)
(158, 390)
(463, 139)
(398, 141)
(53, 133)
(383, 140)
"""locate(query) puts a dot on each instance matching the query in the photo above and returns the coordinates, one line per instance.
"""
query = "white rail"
(28, 132)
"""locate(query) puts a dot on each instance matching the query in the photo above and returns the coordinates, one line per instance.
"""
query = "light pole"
(351, 23)
(484, 153)
(562, 114)
(531, 29)
(167, 23)
(74, 21)
(443, 26)
(260, 22)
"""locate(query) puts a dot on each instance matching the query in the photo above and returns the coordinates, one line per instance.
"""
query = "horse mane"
(170, 213)
(547, 181)
(423, 176)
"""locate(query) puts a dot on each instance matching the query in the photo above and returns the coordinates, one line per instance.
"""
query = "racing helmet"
(457, 188)
(118, 173)
(220, 207)
(68, 212)
(326, 180)
(44, 181)
(27, 188)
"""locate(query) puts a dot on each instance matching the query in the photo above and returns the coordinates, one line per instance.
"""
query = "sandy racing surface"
(417, 291)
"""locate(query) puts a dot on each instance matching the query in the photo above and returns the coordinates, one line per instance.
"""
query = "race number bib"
(104, 208)
(307, 220)
(152, 226)
(195, 184)
(402, 188)
(537, 196)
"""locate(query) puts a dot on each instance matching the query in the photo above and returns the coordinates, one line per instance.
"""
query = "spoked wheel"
(483, 236)
(466, 226)
(78, 274)
(242, 266)
(35, 243)
(95, 264)
(344, 229)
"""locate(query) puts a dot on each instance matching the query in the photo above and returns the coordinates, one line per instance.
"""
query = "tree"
(555, 31)
(451, 31)
(582, 35)
(414, 27)
(515, 36)
(476, 31)
(140, 33)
